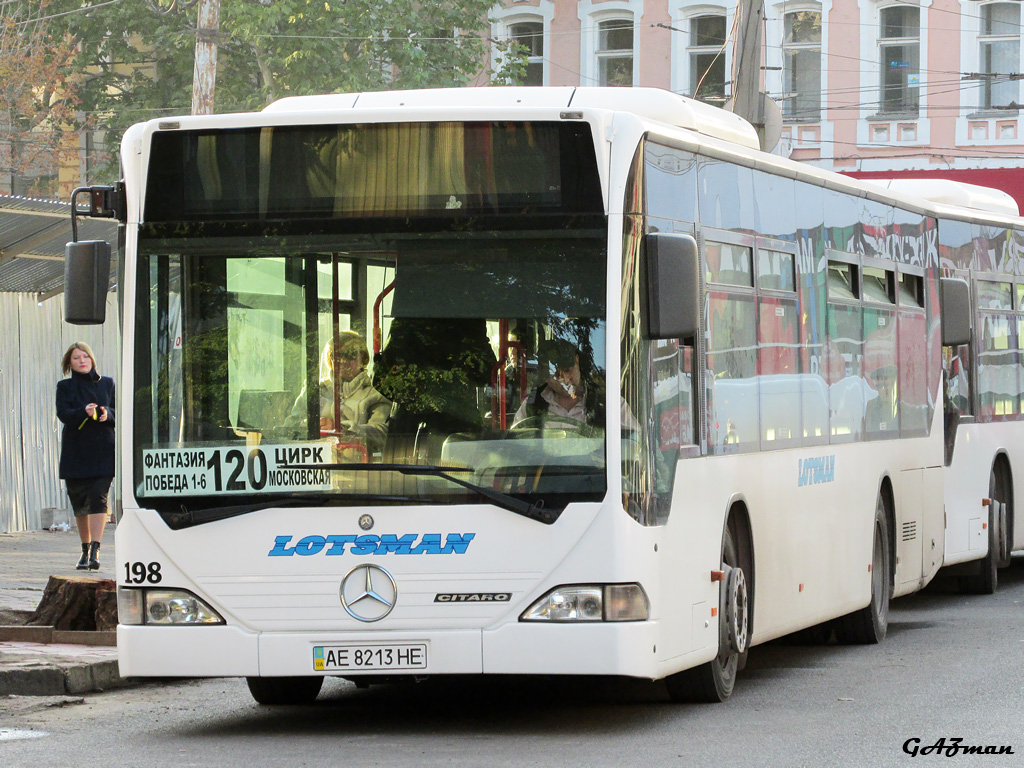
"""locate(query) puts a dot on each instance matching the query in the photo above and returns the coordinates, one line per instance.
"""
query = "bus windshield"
(305, 357)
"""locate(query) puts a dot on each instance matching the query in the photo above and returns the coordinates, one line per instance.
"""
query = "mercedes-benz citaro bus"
(514, 381)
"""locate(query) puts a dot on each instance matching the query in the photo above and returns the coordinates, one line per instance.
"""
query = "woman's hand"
(103, 413)
(90, 410)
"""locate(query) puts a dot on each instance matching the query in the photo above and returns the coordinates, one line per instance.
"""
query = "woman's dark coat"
(87, 445)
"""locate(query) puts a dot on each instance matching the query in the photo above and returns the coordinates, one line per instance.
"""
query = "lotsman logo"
(371, 544)
(815, 471)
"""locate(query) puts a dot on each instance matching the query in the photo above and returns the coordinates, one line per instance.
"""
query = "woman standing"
(85, 404)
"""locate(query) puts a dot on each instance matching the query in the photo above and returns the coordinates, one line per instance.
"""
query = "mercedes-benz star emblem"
(365, 522)
(368, 593)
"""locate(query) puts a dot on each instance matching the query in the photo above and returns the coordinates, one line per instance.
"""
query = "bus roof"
(954, 193)
(652, 103)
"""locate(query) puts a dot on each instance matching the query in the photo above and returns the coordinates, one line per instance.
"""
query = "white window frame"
(871, 80)
(681, 13)
(871, 53)
(976, 25)
(776, 78)
(970, 61)
(591, 14)
(775, 28)
(502, 20)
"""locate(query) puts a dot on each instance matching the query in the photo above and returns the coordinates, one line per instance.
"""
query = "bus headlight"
(163, 607)
(591, 602)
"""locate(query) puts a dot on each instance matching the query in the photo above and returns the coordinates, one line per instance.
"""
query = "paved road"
(28, 559)
(950, 668)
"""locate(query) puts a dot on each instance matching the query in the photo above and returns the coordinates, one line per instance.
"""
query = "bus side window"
(733, 424)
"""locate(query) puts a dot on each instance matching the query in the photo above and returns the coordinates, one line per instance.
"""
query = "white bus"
(761, 437)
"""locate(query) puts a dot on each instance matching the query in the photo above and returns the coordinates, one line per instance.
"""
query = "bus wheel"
(869, 624)
(713, 681)
(986, 580)
(274, 691)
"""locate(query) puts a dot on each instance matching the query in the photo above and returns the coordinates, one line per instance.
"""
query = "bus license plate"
(369, 656)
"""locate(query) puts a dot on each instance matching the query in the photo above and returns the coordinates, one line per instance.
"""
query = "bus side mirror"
(86, 276)
(673, 286)
(955, 310)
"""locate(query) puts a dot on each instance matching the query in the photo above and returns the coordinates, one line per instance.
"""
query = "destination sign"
(235, 469)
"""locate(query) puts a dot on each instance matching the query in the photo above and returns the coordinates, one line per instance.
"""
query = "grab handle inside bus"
(673, 286)
(955, 308)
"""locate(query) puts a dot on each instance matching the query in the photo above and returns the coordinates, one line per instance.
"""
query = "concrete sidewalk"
(36, 661)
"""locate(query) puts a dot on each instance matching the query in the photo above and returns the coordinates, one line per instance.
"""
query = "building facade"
(867, 87)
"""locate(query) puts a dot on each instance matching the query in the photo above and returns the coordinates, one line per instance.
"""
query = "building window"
(899, 47)
(529, 36)
(801, 47)
(999, 55)
(707, 58)
(615, 52)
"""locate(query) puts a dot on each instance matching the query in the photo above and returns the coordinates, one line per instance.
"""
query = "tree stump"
(106, 606)
(77, 604)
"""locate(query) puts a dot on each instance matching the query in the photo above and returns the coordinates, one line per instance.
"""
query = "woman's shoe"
(83, 564)
(94, 561)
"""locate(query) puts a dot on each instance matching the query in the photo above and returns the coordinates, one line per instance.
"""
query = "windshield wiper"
(511, 503)
(186, 518)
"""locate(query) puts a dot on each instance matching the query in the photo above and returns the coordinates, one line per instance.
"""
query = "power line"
(82, 9)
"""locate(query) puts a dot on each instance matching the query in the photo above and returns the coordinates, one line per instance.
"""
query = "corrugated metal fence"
(33, 337)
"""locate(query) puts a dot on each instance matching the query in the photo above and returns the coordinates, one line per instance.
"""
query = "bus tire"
(986, 580)
(284, 691)
(713, 681)
(869, 625)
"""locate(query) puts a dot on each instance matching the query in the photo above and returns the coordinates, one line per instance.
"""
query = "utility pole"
(746, 78)
(749, 102)
(204, 77)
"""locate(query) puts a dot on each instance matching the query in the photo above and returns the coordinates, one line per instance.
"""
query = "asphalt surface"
(37, 662)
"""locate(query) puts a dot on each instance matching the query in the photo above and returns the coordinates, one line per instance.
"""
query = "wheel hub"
(734, 610)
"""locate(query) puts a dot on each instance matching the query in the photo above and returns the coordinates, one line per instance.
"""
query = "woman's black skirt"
(88, 494)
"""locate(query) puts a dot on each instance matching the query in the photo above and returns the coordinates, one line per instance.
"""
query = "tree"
(38, 97)
(136, 59)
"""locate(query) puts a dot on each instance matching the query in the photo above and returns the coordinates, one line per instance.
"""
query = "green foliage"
(136, 56)
(38, 98)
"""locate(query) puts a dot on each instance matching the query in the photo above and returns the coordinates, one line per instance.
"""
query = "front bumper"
(628, 648)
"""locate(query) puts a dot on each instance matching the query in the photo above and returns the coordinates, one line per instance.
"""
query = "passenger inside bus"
(363, 411)
(563, 394)
(569, 393)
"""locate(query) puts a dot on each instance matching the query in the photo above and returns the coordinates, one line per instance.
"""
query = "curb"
(36, 661)
(46, 635)
(62, 680)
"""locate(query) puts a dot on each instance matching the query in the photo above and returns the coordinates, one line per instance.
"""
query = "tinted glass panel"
(995, 295)
(997, 367)
(471, 326)
(842, 281)
(671, 177)
(729, 264)
(913, 383)
(779, 382)
(877, 285)
(880, 373)
(848, 391)
(349, 171)
(731, 377)
(776, 270)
